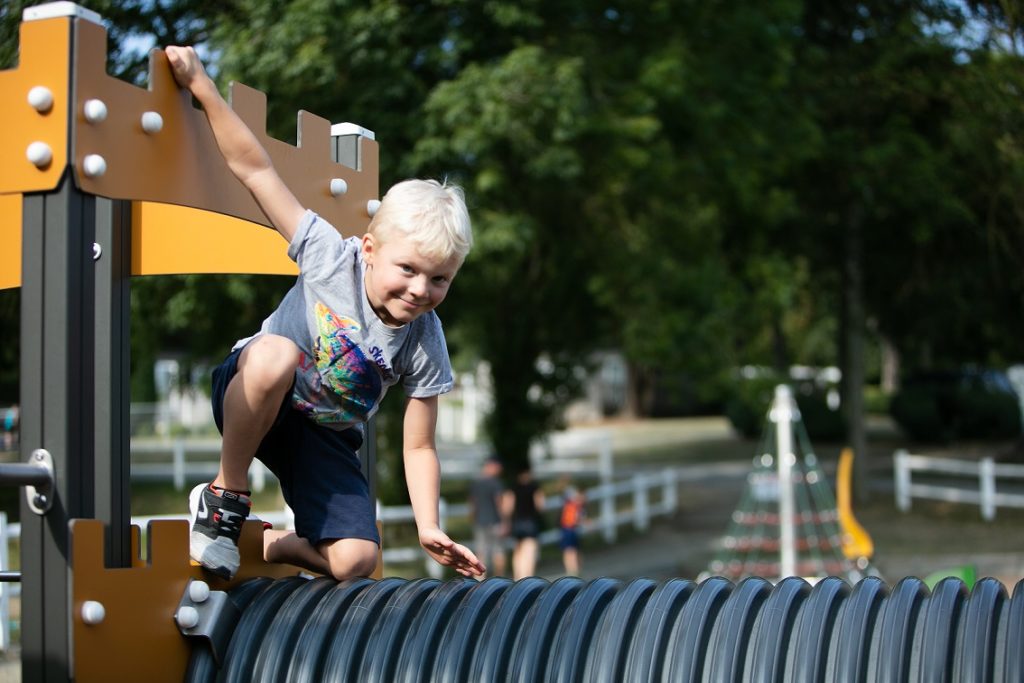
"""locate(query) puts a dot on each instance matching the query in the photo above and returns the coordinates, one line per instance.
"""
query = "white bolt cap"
(187, 616)
(39, 153)
(40, 98)
(93, 612)
(338, 187)
(95, 111)
(198, 591)
(371, 207)
(94, 165)
(152, 122)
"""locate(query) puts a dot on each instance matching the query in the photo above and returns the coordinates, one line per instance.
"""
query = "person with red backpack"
(570, 521)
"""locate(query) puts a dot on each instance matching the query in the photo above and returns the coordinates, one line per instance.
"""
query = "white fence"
(972, 482)
(191, 459)
(633, 500)
(185, 459)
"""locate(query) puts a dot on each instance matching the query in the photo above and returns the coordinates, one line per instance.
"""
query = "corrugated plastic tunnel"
(607, 630)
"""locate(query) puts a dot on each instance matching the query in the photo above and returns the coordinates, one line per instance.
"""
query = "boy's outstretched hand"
(451, 554)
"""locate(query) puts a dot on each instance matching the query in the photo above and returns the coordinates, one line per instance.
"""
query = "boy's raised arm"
(244, 154)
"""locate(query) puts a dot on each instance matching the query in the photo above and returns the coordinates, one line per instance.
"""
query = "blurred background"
(677, 205)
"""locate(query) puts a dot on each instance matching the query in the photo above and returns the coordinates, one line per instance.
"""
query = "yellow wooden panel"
(43, 61)
(170, 239)
(10, 240)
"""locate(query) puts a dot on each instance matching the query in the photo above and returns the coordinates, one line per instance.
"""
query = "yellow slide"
(857, 542)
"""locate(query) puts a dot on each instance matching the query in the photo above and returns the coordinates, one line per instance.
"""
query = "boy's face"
(401, 284)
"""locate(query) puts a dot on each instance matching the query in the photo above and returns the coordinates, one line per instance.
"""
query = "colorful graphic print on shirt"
(349, 381)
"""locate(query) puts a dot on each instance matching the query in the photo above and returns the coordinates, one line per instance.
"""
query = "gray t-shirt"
(483, 494)
(349, 356)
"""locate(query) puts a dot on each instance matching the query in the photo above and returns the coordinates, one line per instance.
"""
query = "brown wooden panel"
(182, 165)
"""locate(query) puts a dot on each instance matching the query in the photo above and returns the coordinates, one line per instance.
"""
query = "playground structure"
(100, 181)
(787, 522)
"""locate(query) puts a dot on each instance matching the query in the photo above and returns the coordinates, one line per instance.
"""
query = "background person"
(523, 505)
(570, 521)
(485, 499)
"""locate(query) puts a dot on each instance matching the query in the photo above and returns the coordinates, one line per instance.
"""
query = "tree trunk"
(514, 421)
(634, 382)
(852, 331)
(640, 391)
(890, 367)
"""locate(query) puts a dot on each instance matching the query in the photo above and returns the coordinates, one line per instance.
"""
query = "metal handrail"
(37, 476)
(25, 474)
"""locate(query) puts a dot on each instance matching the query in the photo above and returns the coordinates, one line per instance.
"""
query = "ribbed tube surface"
(609, 631)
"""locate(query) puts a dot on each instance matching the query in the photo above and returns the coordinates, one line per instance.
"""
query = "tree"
(511, 129)
(133, 27)
(987, 141)
(882, 195)
(699, 185)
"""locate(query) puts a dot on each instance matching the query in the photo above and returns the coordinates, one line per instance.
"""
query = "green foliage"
(510, 130)
(986, 415)
(876, 401)
(196, 317)
(823, 424)
(693, 184)
(133, 28)
(10, 21)
(748, 405)
(940, 413)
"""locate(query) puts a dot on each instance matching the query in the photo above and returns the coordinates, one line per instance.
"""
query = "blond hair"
(430, 214)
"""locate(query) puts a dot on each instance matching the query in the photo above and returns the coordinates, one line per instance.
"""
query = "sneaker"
(216, 518)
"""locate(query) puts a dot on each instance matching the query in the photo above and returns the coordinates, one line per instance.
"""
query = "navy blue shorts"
(570, 538)
(318, 468)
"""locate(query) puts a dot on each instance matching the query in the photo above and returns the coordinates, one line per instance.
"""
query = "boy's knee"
(350, 558)
(270, 359)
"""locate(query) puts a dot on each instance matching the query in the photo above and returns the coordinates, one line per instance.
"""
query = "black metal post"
(112, 261)
(58, 408)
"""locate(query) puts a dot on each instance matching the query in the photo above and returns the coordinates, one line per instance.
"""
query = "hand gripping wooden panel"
(181, 164)
(191, 214)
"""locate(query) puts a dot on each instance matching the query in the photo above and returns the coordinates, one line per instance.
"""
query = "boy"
(358, 319)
